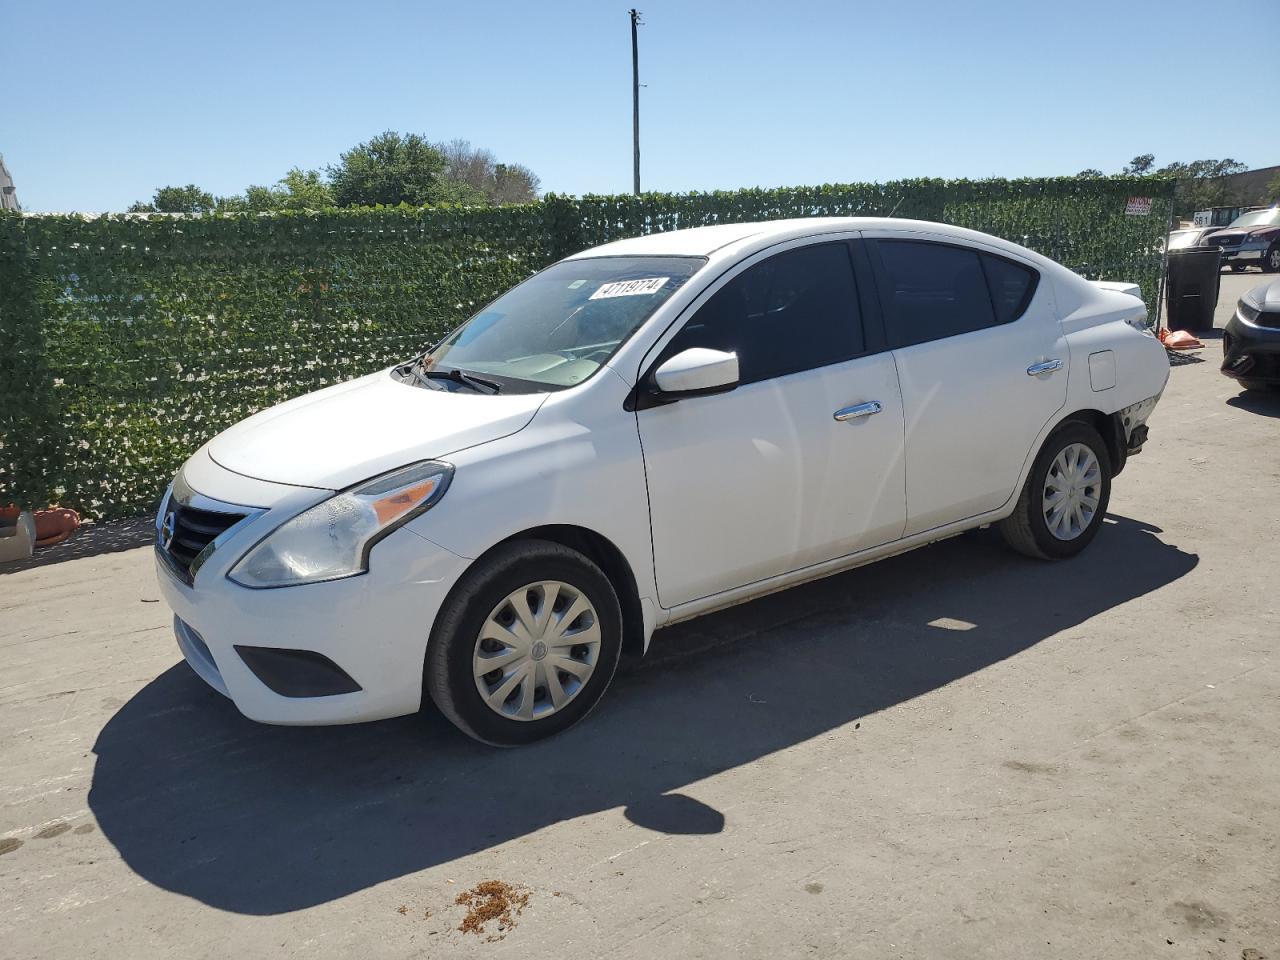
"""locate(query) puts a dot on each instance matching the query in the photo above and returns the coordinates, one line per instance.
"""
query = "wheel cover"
(536, 650)
(1274, 258)
(1071, 491)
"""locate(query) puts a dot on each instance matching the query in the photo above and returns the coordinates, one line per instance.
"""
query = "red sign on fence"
(1138, 207)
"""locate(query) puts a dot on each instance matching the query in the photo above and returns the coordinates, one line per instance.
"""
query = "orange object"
(55, 525)
(1179, 340)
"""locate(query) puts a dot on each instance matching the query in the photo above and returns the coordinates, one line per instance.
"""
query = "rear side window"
(1011, 286)
(793, 312)
(932, 290)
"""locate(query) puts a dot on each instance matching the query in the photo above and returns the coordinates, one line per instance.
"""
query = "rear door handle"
(858, 410)
(1046, 366)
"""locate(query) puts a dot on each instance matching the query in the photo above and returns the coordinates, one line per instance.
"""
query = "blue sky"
(102, 102)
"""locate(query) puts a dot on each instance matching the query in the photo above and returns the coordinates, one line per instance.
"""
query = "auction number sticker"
(630, 288)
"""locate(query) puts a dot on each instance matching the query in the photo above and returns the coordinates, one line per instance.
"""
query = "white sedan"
(639, 434)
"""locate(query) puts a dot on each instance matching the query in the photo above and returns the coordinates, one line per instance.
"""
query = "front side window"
(793, 312)
(932, 291)
(559, 326)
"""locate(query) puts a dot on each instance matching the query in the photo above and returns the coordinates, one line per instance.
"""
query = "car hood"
(339, 436)
(1232, 235)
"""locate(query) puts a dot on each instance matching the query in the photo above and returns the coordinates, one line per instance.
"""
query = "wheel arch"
(1108, 426)
(601, 551)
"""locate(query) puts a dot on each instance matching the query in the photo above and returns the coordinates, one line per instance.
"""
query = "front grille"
(190, 531)
(1231, 240)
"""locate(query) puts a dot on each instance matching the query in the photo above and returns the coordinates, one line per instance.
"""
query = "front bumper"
(374, 626)
(1244, 253)
(1250, 352)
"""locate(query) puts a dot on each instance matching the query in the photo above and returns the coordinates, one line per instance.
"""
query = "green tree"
(296, 190)
(514, 183)
(390, 169)
(454, 191)
(1273, 189)
(1201, 184)
(1090, 172)
(305, 190)
(1140, 164)
(188, 199)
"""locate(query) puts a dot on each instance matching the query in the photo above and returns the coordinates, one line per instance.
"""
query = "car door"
(802, 461)
(982, 365)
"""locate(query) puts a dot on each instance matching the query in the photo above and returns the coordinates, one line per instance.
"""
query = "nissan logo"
(167, 528)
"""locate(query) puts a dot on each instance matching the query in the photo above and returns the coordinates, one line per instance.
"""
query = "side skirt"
(828, 568)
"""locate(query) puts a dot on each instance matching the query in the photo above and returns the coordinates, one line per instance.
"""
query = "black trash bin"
(1191, 291)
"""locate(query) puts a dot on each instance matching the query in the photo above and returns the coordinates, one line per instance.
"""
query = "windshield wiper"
(460, 376)
(410, 369)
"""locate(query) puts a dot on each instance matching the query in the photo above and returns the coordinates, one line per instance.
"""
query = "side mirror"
(696, 371)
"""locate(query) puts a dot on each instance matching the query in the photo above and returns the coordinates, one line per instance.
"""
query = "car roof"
(705, 241)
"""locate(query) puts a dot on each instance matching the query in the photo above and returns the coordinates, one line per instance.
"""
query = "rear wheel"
(525, 645)
(1065, 497)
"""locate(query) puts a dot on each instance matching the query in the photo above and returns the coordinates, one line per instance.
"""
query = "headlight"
(1248, 312)
(333, 539)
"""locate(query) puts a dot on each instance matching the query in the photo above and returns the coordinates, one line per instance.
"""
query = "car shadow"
(265, 820)
(1265, 403)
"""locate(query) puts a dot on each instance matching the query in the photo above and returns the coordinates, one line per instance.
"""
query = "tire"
(1027, 529)
(1271, 259)
(534, 570)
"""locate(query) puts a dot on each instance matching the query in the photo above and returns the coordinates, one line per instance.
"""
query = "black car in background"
(1251, 341)
(1252, 237)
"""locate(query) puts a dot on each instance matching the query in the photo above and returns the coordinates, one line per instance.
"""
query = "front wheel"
(525, 645)
(1065, 497)
(1271, 259)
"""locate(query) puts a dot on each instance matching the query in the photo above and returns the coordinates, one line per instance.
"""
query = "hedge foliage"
(127, 341)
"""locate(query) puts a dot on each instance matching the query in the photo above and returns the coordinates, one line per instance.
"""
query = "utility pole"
(635, 98)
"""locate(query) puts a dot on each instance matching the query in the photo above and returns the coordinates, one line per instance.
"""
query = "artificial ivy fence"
(127, 341)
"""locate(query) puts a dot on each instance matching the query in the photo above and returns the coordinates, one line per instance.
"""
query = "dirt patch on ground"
(492, 901)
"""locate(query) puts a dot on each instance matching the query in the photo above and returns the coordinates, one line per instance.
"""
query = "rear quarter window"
(1012, 286)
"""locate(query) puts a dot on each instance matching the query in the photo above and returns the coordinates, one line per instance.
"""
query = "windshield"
(1183, 238)
(1259, 218)
(559, 326)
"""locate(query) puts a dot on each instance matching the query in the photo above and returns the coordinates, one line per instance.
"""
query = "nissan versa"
(640, 434)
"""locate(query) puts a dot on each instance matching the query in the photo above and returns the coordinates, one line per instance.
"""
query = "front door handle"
(858, 410)
(1046, 366)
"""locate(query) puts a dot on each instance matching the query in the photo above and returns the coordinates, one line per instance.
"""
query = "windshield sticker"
(576, 284)
(630, 288)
